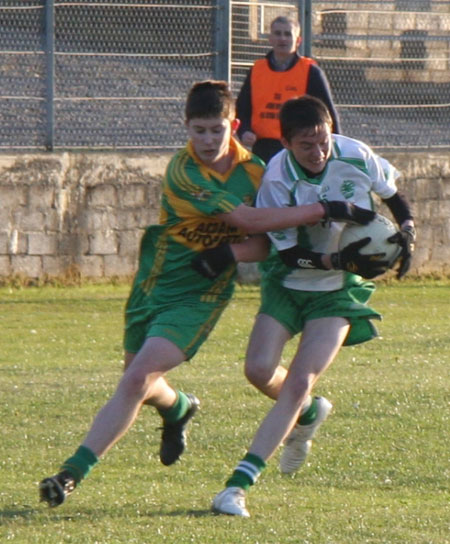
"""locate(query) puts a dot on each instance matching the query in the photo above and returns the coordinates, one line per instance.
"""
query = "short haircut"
(210, 98)
(287, 20)
(299, 114)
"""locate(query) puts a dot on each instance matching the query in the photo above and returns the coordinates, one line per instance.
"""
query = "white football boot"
(231, 501)
(298, 444)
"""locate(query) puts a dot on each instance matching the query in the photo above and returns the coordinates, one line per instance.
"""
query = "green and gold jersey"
(192, 197)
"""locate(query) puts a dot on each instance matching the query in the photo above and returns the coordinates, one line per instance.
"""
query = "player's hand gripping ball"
(405, 238)
(368, 250)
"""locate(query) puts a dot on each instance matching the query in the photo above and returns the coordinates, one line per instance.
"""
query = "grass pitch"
(378, 471)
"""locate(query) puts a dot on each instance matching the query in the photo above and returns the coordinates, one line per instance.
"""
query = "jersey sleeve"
(384, 176)
(276, 194)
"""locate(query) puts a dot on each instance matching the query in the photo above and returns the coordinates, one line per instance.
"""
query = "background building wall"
(85, 212)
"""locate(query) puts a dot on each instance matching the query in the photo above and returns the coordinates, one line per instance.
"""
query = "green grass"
(378, 472)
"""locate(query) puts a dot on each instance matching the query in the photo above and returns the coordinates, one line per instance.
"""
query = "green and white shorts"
(294, 308)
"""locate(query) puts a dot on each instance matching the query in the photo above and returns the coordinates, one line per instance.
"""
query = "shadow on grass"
(28, 512)
(185, 513)
(15, 512)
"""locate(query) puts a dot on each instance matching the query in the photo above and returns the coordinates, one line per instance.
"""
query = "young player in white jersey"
(352, 173)
(308, 286)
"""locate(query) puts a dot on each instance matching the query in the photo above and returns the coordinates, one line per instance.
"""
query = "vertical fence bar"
(50, 72)
(301, 18)
(222, 40)
(307, 28)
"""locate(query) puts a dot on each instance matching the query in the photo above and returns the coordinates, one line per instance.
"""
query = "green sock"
(247, 472)
(80, 464)
(177, 411)
(310, 415)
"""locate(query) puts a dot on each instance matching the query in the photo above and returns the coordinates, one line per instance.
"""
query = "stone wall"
(85, 212)
(76, 211)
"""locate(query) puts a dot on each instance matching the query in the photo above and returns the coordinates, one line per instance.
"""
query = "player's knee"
(136, 384)
(258, 373)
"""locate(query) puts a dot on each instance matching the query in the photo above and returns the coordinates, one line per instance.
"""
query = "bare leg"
(265, 347)
(143, 380)
(320, 343)
(129, 358)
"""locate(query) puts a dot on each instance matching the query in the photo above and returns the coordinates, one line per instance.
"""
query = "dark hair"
(299, 114)
(287, 20)
(210, 99)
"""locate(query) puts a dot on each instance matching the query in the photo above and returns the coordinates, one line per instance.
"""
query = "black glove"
(405, 238)
(335, 210)
(350, 259)
(212, 262)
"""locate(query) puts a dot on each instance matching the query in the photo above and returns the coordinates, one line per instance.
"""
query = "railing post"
(222, 40)
(305, 13)
(50, 72)
(301, 20)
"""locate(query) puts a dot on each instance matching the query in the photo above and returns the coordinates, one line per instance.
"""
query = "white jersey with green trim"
(353, 173)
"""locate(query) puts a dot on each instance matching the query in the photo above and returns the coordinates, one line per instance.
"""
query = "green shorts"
(294, 308)
(186, 324)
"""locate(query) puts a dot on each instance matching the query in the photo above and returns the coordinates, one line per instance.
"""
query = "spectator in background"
(281, 75)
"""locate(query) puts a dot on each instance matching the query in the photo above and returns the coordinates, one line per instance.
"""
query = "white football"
(379, 230)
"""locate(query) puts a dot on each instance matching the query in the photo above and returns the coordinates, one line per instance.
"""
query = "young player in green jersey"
(308, 286)
(207, 194)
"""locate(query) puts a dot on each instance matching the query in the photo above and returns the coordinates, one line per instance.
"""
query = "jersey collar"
(240, 155)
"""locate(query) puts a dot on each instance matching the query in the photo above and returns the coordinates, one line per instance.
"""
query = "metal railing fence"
(387, 61)
(102, 74)
(114, 74)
